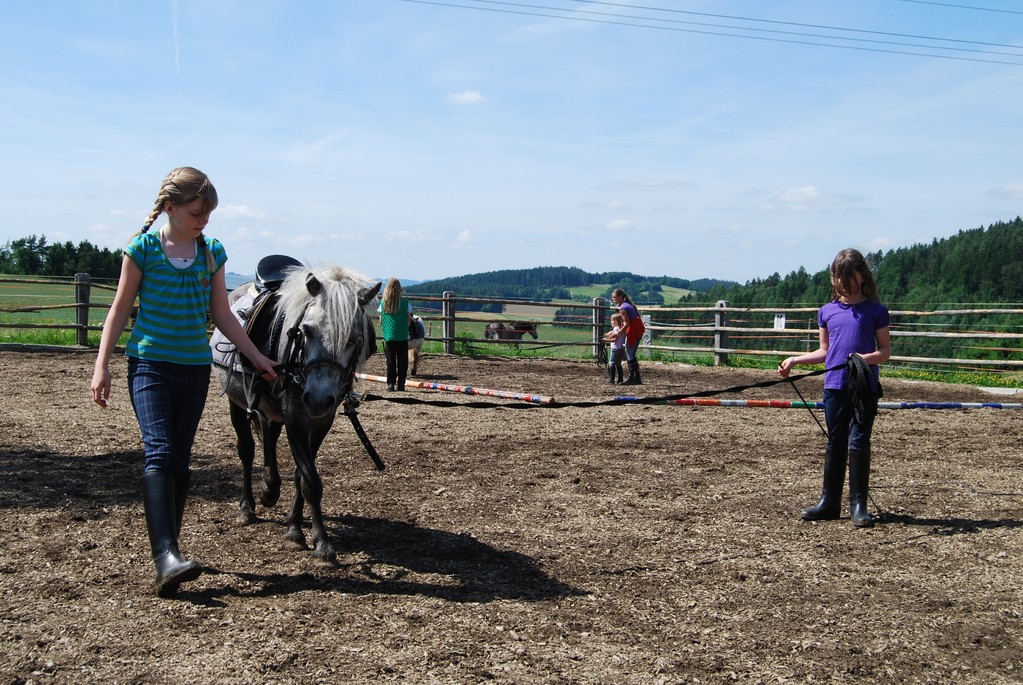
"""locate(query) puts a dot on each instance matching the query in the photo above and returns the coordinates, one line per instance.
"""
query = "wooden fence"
(718, 331)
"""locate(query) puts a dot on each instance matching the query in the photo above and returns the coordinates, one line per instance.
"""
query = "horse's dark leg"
(270, 491)
(294, 532)
(246, 453)
(304, 449)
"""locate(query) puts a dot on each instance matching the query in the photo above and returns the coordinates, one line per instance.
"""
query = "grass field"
(671, 295)
(56, 302)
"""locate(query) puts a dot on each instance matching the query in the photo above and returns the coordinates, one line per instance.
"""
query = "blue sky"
(726, 139)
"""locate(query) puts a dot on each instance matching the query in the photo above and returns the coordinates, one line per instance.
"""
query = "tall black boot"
(618, 369)
(633, 378)
(158, 496)
(830, 505)
(634, 371)
(180, 497)
(611, 374)
(859, 486)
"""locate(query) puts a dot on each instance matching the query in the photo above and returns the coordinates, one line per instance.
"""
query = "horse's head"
(327, 323)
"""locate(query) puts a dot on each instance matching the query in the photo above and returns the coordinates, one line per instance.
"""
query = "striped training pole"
(465, 389)
(786, 404)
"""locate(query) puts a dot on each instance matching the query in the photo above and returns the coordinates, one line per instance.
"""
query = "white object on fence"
(646, 333)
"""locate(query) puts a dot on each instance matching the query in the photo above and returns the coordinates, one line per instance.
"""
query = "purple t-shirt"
(851, 328)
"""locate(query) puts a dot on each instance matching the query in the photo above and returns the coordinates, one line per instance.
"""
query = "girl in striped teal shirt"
(177, 275)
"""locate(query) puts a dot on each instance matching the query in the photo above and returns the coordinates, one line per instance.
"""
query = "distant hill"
(558, 282)
(234, 280)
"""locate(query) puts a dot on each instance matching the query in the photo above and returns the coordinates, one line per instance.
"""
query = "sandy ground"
(597, 544)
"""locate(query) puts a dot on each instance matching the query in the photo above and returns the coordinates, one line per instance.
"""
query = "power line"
(963, 7)
(792, 33)
(794, 23)
(525, 12)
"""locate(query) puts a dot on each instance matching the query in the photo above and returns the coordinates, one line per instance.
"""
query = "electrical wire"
(526, 11)
(786, 23)
(962, 7)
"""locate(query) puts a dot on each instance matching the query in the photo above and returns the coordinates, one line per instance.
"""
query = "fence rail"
(718, 331)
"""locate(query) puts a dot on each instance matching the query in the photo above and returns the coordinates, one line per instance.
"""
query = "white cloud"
(464, 239)
(620, 225)
(653, 183)
(238, 212)
(1012, 191)
(878, 243)
(303, 150)
(467, 97)
(307, 239)
(414, 237)
(803, 199)
(245, 233)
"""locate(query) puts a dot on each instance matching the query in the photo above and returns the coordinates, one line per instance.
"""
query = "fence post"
(720, 336)
(83, 290)
(599, 323)
(448, 315)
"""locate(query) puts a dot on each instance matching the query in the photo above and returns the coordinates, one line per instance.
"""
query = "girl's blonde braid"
(157, 210)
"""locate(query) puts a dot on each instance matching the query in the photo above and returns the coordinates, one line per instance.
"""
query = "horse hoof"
(325, 557)
(268, 497)
(296, 540)
(246, 518)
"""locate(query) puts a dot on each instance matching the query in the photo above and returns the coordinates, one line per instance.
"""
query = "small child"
(616, 337)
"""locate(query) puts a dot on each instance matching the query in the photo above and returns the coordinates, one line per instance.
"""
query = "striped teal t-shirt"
(171, 324)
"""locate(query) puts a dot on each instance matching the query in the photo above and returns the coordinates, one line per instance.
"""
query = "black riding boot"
(620, 374)
(830, 505)
(611, 374)
(859, 486)
(159, 498)
(180, 497)
(633, 378)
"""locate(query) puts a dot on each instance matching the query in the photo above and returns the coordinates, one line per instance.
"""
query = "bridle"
(294, 368)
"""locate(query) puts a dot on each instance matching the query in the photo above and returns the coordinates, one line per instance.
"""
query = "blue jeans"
(843, 432)
(630, 351)
(168, 400)
(615, 361)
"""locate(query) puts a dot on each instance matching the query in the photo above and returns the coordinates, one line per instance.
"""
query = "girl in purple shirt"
(853, 323)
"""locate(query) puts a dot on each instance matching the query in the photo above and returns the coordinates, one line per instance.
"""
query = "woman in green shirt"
(395, 319)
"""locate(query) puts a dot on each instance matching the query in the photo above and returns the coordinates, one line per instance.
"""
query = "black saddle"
(272, 269)
(257, 317)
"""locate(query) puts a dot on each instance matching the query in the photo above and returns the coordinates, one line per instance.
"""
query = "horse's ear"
(366, 295)
(313, 285)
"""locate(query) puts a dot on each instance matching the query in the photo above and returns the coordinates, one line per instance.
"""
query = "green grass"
(24, 295)
(590, 291)
(672, 295)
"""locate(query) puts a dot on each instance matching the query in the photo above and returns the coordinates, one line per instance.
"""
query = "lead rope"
(806, 404)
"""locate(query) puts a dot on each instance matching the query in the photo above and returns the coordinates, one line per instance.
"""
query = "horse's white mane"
(339, 301)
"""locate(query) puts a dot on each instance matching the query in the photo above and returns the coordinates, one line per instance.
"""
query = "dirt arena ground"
(611, 545)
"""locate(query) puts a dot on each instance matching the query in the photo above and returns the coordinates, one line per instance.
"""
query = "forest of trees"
(980, 265)
(33, 256)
